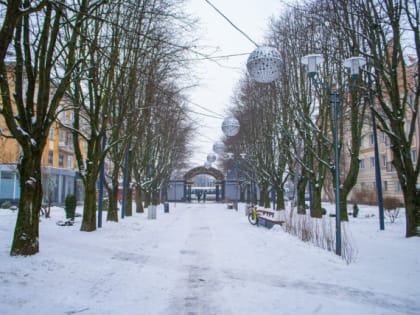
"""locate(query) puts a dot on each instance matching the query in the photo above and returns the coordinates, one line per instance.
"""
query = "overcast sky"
(218, 80)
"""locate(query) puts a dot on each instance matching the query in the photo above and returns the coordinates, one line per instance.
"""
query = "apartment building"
(58, 166)
(390, 184)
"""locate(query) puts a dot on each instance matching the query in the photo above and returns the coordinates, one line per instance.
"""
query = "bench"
(268, 218)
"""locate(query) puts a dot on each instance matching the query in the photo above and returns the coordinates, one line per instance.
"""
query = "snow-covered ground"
(206, 259)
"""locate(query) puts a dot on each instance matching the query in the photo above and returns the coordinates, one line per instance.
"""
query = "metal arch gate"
(180, 189)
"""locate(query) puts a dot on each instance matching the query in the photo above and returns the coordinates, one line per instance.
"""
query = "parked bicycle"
(253, 215)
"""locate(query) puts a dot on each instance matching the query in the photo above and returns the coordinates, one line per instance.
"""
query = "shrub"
(6, 205)
(323, 211)
(391, 206)
(70, 206)
(391, 203)
(355, 210)
(365, 197)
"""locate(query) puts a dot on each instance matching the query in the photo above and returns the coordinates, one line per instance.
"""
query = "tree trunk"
(343, 205)
(412, 210)
(89, 210)
(147, 199)
(301, 204)
(129, 203)
(112, 214)
(279, 199)
(316, 210)
(25, 239)
(128, 211)
(264, 196)
(155, 197)
(139, 201)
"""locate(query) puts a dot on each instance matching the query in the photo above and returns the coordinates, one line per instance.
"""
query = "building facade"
(58, 166)
(366, 180)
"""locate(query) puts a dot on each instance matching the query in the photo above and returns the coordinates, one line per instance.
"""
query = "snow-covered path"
(205, 259)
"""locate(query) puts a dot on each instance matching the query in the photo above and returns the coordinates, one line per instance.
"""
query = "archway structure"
(201, 170)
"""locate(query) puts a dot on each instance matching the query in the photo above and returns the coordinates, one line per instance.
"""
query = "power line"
(216, 57)
(231, 23)
(206, 109)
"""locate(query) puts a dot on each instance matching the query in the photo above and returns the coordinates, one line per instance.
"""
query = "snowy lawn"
(206, 259)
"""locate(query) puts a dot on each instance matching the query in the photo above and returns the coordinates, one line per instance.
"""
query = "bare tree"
(38, 89)
(391, 32)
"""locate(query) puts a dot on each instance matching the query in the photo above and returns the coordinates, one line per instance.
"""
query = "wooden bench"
(267, 218)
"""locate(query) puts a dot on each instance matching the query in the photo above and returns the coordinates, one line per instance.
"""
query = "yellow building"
(59, 169)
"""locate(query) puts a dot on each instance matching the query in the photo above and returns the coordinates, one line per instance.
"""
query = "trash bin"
(166, 207)
(151, 212)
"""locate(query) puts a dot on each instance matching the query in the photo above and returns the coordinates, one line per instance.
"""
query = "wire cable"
(231, 23)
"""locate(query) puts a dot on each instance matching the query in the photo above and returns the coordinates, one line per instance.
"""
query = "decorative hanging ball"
(264, 64)
(211, 157)
(219, 147)
(230, 126)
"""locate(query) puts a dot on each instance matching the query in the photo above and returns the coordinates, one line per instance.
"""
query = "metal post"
(311, 205)
(101, 185)
(378, 174)
(273, 196)
(377, 163)
(125, 179)
(335, 102)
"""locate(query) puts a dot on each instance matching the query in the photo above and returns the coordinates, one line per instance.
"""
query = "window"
(384, 160)
(69, 142)
(69, 161)
(372, 162)
(52, 132)
(390, 167)
(50, 157)
(413, 156)
(61, 160)
(384, 138)
(385, 185)
(62, 136)
(6, 175)
(397, 186)
(362, 164)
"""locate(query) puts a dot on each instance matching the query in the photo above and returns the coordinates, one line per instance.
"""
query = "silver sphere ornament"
(230, 126)
(211, 157)
(219, 147)
(264, 64)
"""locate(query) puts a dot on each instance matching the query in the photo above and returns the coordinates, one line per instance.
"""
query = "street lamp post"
(354, 64)
(101, 185)
(335, 102)
(377, 163)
